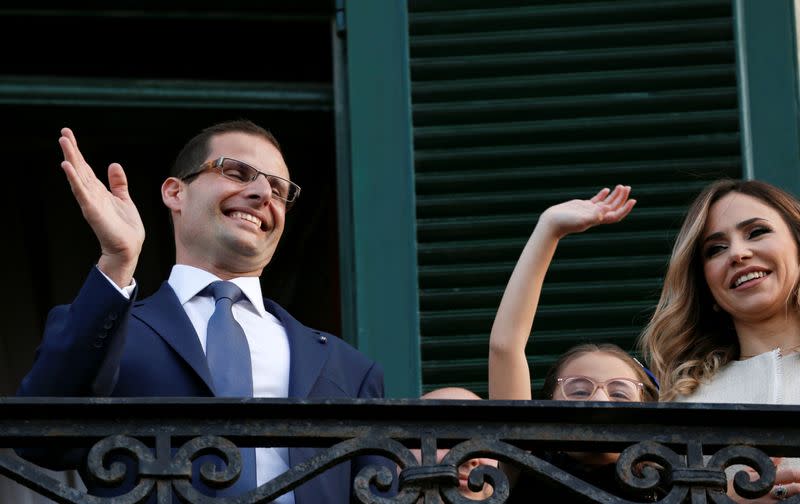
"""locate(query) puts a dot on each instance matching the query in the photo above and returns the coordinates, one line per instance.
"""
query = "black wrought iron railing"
(691, 445)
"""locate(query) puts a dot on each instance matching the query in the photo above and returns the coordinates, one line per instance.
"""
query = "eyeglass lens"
(244, 173)
(579, 388)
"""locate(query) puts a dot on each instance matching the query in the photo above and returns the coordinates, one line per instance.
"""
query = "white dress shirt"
(269, 347)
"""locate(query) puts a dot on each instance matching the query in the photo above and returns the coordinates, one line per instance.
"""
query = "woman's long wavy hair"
(687, 341)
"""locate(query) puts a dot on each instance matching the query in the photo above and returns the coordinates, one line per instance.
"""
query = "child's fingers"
(601, 195)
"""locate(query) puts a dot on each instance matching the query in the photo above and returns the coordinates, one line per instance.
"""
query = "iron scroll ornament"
(380, 478)
(165, 475)
(173, 473)
(635, 472)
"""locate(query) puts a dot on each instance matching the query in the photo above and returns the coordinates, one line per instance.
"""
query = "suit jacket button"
(98, 343)
(323, 339)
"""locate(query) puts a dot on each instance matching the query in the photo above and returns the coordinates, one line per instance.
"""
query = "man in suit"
(228, 195)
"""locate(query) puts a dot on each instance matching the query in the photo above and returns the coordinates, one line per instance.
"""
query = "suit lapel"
(164, 314)
(308, 351)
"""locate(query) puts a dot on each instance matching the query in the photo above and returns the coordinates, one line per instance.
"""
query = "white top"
(768, 378)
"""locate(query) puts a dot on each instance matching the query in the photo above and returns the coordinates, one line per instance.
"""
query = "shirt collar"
(188, 281)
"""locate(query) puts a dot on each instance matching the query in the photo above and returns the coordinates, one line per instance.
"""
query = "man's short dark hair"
(195, 151)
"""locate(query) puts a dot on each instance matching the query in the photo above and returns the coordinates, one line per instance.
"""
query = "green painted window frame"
(768, 87)
(380, 308)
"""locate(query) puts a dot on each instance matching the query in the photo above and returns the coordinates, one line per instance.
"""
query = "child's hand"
(575, 216)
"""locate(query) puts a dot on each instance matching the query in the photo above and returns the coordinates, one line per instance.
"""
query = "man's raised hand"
(110, 211)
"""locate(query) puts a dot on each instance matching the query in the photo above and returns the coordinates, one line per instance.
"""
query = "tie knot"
(224, 290)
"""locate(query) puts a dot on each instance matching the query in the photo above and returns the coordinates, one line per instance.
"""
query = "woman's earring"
(715, 307)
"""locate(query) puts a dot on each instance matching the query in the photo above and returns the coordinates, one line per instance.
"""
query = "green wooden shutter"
(521, 105)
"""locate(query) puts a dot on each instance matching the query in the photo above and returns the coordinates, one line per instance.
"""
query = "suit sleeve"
(82, 345)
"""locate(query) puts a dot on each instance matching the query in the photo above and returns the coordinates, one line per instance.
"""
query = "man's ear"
(172, 193)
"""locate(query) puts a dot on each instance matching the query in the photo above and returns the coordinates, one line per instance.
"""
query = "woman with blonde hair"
(727, 326)
(729, 305)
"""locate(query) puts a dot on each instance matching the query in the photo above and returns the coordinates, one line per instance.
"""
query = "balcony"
(692, 443)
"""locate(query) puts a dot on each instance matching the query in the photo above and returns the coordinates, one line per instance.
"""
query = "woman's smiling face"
(750, 257)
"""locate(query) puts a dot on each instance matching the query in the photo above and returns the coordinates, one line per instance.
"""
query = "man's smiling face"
(224, 226)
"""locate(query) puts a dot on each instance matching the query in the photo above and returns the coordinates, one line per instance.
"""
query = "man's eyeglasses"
(241, 172)
(583, 388)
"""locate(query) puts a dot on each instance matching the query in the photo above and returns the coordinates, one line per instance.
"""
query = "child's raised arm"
(509, 375)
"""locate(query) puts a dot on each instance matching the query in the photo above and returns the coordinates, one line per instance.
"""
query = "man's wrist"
(118, 270)
(126, 291)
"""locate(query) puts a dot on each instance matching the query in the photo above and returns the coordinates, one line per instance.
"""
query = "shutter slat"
(463, 16)
(454, 228)
(574, 316)
(638, 242)
(575, 83)
(479, 47)
(442, 347)
(549, 196)
(688, 146)
(583, 291)
(551, 176)
(513, 133)
(449, 67)
(457, 112)
(547, 175)
(564, 269)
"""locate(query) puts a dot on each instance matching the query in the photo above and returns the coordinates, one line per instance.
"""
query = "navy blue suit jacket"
(105, 345)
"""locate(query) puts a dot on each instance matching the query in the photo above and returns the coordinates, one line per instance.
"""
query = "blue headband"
(649, 374)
